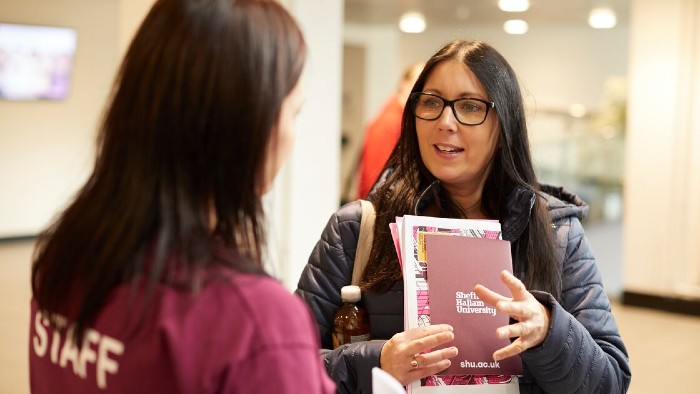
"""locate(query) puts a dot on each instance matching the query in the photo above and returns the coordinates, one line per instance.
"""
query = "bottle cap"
(350, 293)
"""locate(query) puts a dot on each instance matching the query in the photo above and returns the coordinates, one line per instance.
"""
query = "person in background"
(464, 153)
(383, 132)
(152, 280)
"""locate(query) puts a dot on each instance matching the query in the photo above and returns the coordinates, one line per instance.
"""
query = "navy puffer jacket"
(582, 353)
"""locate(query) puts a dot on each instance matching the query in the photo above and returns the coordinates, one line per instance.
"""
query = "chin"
(448, 176)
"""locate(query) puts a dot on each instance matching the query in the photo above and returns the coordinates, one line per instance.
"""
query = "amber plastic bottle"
(351, 323)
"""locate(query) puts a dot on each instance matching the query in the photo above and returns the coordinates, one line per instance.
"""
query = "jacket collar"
(515, 214)
(562, 203)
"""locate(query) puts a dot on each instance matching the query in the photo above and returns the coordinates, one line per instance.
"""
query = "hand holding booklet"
(442, 260)
(455, 265)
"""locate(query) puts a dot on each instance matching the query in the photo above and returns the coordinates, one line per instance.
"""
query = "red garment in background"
(380, 138)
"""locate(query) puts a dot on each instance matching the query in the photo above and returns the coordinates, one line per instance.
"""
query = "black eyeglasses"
(467, 111)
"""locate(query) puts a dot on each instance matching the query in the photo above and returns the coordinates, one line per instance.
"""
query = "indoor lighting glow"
(513, 5)
(515, 26)
(602, 18)
(577, 110)
(412, 22)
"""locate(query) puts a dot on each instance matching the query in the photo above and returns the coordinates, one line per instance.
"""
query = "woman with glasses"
(152, 280)
(464, 153)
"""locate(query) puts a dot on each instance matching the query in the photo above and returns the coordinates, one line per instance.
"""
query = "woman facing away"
(152, 279)
(464, 153)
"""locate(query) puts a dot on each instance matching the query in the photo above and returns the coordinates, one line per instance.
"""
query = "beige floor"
(664, 348)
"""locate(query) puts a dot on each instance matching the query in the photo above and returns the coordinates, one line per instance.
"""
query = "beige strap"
(364, 241)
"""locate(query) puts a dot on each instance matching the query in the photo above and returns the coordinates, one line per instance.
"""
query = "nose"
(447, 120)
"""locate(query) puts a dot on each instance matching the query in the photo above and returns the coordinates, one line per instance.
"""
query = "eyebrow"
(461, 95)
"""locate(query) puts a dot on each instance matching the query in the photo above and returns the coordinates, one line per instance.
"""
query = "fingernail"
(449, 327)
(456, 350)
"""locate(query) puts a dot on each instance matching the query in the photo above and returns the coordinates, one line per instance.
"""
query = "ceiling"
(482, 12)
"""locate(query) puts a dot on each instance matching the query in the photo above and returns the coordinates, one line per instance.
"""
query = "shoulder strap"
(364, 241)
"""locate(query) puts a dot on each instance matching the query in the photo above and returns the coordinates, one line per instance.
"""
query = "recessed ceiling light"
(412, 22)
(513, 5)
(515, 26)
(602, 18)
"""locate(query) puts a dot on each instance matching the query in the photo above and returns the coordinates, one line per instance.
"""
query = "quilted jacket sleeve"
(328, 270)
(583, 352)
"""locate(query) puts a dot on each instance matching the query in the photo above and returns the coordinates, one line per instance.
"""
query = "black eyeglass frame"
(449, 103)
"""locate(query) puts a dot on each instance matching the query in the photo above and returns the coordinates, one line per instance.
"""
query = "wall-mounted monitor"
(36, 61)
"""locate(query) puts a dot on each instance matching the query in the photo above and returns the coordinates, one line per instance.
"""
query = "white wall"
(662, 208)
(47, 147)
(382, 62)
(306, 191)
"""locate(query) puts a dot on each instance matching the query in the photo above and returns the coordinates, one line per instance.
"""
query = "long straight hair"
(533, 251)
(181, 156)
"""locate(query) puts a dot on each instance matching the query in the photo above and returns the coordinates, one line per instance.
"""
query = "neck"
(469, 200)
(474, 211)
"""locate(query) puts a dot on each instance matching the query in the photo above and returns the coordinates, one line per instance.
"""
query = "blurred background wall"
(613, 116)
(662, 208)
(47, 147)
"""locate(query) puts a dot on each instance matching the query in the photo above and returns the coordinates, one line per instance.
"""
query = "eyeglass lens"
(467, 111)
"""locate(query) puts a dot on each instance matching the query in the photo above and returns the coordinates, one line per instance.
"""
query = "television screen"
(35, 61)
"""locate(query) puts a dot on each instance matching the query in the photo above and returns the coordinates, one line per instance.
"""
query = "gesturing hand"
(407, 356)
(533, 317)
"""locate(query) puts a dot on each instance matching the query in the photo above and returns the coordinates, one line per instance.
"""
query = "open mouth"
(448, 148)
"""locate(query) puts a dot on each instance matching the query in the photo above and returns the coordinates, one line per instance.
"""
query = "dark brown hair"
(181, 154)
(511, 168)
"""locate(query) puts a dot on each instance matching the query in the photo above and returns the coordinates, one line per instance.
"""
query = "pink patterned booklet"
(411, 232)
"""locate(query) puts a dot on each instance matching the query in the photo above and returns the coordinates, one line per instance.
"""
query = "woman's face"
(456, 154)
(282, 139)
